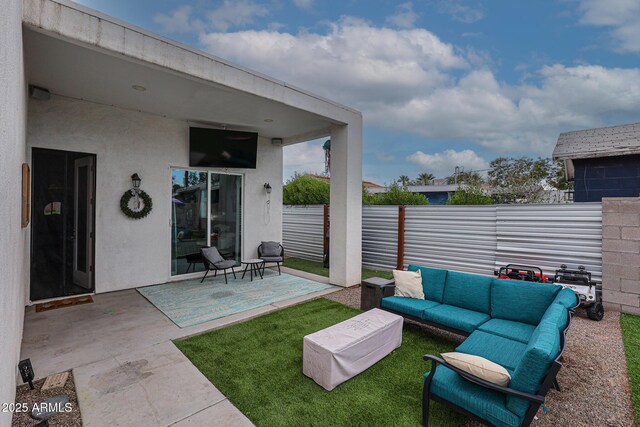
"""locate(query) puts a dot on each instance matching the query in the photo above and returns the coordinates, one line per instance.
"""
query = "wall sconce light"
(267, 187)
(136, 180)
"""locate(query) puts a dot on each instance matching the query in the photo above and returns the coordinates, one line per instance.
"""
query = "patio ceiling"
(76, 70)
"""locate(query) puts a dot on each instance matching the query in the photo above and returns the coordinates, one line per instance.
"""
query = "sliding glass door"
(206, 211)
(225, 214)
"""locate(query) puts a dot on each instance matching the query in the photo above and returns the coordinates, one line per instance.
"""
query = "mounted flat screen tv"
(218, 148)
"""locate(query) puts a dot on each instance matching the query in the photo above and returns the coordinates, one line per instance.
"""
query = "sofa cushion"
(542, 349)
(509, 329)
(558, 315)
(521, 301)
(484, 403)
(408, 284)
(469, 291)
(432, 282)
(212, 255)
(503, 351)
(478, 367)
(567, 298)
(455, 317)
(271, 249)
(411, 306)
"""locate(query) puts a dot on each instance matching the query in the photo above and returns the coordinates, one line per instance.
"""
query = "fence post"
(400, 257)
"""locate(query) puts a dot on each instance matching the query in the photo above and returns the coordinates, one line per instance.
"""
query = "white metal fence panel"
(302, 231)
(474, 239)
(460, 238)
(549, 235)
(380, 236)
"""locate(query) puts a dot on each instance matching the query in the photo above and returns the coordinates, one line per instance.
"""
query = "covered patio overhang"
(109, 81)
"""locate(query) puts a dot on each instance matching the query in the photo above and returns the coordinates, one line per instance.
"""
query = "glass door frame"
(209, 172)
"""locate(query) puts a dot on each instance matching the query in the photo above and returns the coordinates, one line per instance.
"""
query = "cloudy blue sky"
(440, 82)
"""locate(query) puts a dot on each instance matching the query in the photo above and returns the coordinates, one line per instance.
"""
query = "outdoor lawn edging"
(630, 325)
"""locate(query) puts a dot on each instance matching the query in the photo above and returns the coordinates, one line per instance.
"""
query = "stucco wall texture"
(12, 237)
(131, 253)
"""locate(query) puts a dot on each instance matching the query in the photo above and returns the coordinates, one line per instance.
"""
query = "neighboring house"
(603, 162)
(435, 194)
(366, 184)
(86, 101)
(438, 194)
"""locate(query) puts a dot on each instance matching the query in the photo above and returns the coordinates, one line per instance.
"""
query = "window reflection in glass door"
(226, 200)
(189, 220)
(205, 211)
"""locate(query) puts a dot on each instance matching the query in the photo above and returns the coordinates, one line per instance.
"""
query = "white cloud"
(303, 4)
(622, 16)
(410, 80)
(178, 21)
(404, 17)
(385, 157)
(353, 62)
(461, 12)
(443, 164)
(229, 14)
(303, 157)
(235, 13)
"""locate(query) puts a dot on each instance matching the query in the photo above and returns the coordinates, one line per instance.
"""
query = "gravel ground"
(593, 379)
(26, 395)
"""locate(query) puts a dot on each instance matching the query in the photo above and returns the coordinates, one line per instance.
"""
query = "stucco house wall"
(12, 237)
(131, 253)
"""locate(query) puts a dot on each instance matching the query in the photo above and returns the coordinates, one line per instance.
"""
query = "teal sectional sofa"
(518, 325)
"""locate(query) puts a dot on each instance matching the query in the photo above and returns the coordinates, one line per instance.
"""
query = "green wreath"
(124, 204)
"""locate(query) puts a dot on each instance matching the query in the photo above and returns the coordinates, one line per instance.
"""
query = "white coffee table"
(340, 352)
(253, 265)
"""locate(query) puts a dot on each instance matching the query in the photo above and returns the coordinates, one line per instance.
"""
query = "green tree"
(305, 190)
(396, 195)
(518, 180)
(470, 195)
(424, 178)
(557, 177)
(404, 180)
(466, 177)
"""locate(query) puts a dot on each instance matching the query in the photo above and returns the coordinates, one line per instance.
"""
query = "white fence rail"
(302, 230)
(549, 235)
(380, 236)
(460, 238)
(474, 239)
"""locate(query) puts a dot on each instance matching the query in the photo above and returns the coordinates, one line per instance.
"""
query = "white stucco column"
(345, 244)
(12, 235)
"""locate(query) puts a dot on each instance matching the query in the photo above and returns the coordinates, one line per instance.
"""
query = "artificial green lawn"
(258, 366)
(317, 268)
(631, 337)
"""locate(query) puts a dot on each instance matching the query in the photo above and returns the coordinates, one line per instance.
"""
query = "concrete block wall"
(621, 254)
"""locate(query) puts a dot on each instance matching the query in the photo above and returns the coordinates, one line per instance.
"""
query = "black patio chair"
(213, 261)
(271, 252)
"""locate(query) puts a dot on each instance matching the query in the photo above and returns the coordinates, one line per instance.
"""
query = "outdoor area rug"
(190, 302)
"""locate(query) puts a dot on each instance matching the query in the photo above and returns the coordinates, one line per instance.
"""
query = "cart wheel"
(596, 311)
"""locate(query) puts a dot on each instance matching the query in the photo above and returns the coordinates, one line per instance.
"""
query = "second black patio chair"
(213, 261)
(271, 252)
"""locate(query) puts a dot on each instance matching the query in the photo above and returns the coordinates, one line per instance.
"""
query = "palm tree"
(404, 180)
(425, 178)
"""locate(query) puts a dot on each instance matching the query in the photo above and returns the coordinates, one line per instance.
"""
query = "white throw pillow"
(408, 284)
(479, 366)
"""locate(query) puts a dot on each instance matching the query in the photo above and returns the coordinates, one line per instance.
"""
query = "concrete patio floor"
(127, 371)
